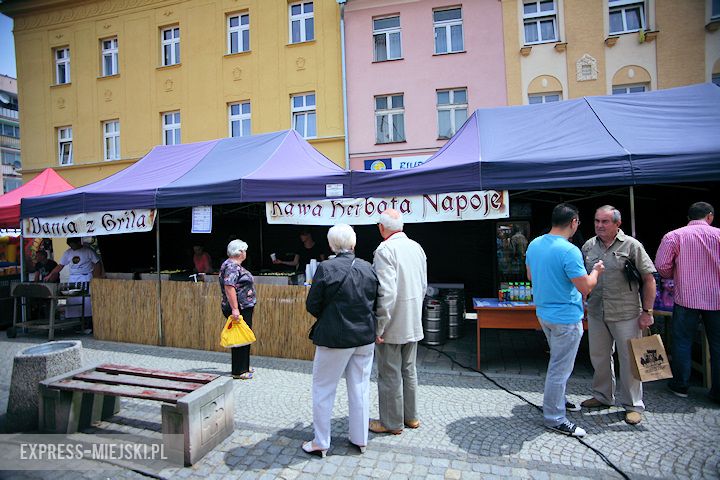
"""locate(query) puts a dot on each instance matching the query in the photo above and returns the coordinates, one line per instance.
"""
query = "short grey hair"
(341, 238)
(616, 217)
(236, 247)
(391, 223)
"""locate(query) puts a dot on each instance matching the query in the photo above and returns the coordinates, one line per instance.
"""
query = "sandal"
(244, 376)
(308, 447)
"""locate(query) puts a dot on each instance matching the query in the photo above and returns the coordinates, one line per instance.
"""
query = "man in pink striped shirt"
(691, 257)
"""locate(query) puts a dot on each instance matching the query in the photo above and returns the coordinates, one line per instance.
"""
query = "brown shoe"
(593, 403)
(412, 423)
(633, 418)
(377, 427)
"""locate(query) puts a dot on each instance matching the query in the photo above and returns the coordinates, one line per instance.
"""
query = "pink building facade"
(415, 70)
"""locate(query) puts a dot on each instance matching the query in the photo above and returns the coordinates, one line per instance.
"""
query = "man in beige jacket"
(401, 267)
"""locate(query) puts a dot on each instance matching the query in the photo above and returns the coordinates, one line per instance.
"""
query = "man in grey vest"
(401, 267)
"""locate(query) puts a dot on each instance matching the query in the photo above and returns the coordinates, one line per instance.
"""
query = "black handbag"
(632, 274)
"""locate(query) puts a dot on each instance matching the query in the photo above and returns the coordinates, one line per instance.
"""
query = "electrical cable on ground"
(602, 456)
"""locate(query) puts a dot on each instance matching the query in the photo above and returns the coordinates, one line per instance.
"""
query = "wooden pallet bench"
(197, 408)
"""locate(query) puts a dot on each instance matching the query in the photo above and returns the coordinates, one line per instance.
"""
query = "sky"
(7, 47)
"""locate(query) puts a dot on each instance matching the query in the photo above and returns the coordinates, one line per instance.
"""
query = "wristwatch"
(648, 310)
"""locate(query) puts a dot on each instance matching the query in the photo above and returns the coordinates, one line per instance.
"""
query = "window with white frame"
(302, 22)
(389, 119)
(62, 65)
(626, 16)
(65, 146)
(540, 21)
(544, 98)
(304, 119)
(170, 45)
(111, 139)
(109, 56)
(238, 28)
(715, 9)
(239, 119)
(386, 38)
(452, 106)
(171, 128)
(448, 30)
(623, 89)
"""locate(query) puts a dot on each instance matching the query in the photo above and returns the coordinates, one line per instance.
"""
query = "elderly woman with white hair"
(238, 298)
(342, 298)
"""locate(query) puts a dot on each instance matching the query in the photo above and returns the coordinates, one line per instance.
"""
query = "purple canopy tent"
(259, 168)
(642, 138)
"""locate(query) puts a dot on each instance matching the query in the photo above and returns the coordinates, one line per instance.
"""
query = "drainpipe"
(344, 82)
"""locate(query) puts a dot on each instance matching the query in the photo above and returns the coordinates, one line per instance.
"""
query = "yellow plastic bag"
(236, 333)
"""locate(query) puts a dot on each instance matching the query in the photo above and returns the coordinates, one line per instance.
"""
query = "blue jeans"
(684, 326)
(564, 340)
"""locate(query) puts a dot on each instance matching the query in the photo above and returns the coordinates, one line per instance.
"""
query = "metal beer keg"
(433, 328)
(453, 304)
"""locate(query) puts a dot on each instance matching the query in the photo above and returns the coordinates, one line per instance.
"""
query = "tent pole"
(262, 251)
(161, 340)
(22, 273)
(632, 211)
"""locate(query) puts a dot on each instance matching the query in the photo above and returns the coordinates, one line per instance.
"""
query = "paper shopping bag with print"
(650, 359)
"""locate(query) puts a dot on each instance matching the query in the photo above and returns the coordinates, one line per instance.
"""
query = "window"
(386, 38)
(620, 90)
(171, 128)
(10, 183)
(448, 30)
(10, 157)
(65, 150)
(389, 119)
(62, 65)
(626, 16)
(10, 130)
(715, 12)
(111, 139)
(302, 22)
(239, 118)
(238, 33)
(109, 56)
(716, 79)
(452, 108)
(540, 19)
(171, 46)
(544, 98)
(303, 115)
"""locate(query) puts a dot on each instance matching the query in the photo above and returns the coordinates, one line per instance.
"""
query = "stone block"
(204, 418)
(31, 366)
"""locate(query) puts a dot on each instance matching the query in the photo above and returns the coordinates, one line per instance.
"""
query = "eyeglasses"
(577, 220)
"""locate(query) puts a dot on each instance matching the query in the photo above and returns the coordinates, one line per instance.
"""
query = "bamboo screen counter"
(126, 311)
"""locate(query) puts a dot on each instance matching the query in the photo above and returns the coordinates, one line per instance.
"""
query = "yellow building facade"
(560, 49)
(104, 79)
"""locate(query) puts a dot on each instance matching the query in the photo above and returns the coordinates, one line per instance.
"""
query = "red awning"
(44, 184)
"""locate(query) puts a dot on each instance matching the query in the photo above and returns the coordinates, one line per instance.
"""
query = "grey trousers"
(397, 383)
(604, 338)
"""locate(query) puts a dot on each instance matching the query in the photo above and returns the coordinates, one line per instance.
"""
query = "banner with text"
(90, 224)
(434, 207)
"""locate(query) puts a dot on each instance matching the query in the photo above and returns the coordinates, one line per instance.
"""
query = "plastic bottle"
(511, 288)
(531, 292)
(523, 292)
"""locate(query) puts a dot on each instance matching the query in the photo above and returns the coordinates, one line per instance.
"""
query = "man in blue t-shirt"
(556, 268)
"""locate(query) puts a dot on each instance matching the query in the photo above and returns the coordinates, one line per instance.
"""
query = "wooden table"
(511, 315)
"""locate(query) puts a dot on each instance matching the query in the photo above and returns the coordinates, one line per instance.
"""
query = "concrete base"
(30, 366)
(201, 419)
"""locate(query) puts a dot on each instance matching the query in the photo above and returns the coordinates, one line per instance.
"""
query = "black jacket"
(345, 316)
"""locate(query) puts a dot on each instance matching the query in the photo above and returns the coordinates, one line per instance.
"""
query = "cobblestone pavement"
(471, 428)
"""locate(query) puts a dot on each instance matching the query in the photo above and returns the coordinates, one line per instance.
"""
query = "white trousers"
(328, 367)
